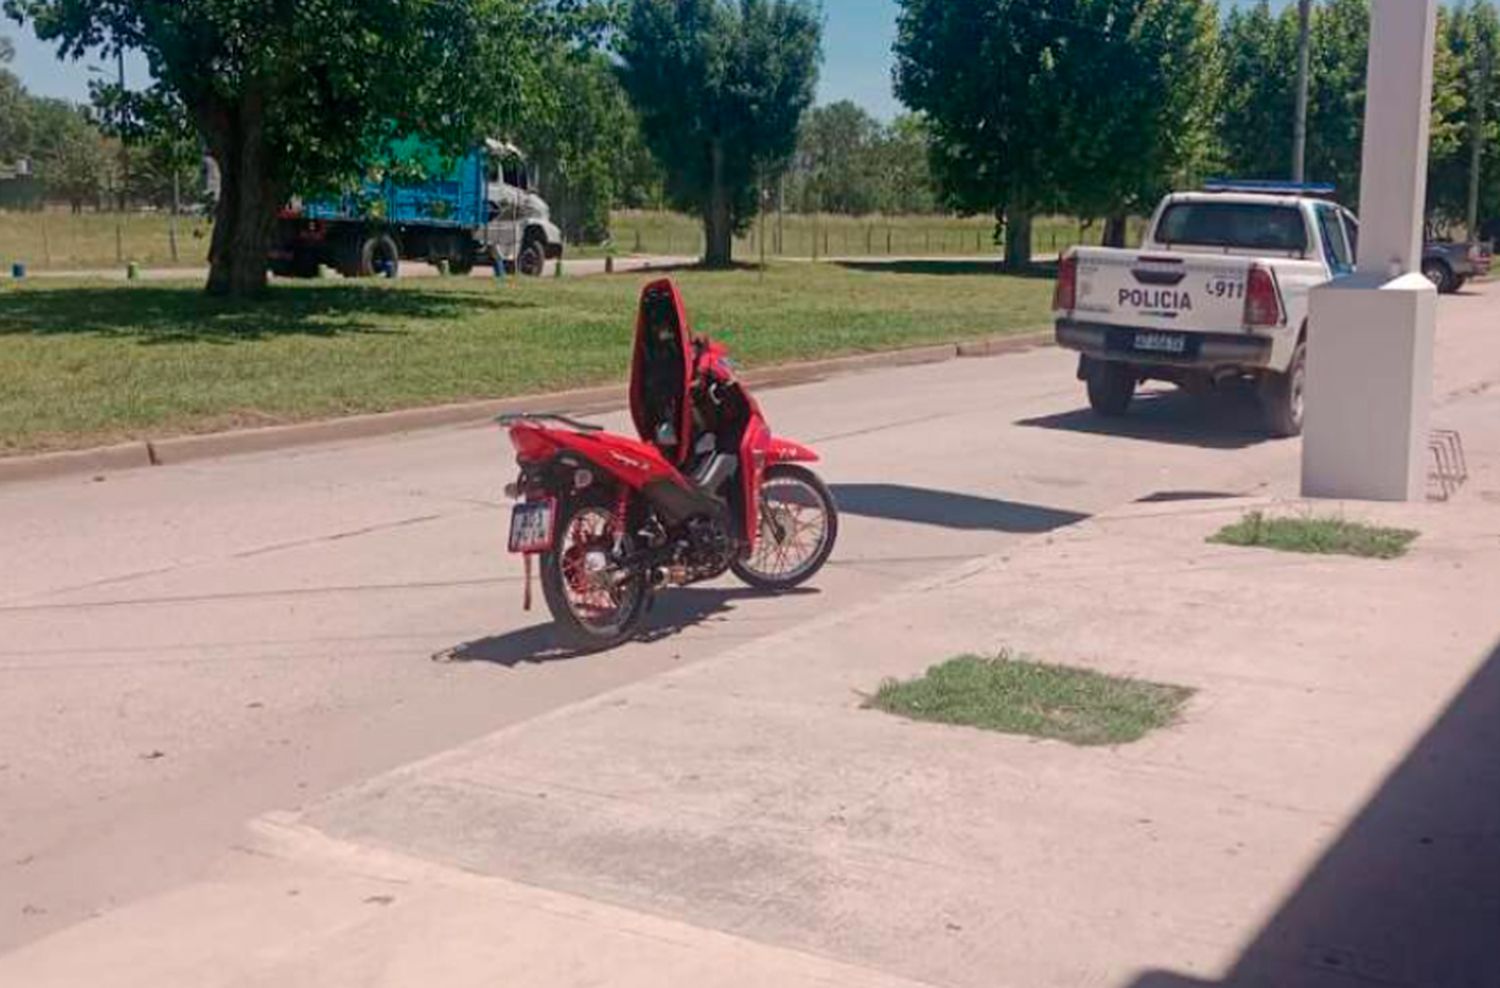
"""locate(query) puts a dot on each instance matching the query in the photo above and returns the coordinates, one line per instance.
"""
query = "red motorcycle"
(706, 490)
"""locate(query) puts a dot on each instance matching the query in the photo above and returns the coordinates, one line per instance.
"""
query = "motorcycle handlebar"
(515, 419)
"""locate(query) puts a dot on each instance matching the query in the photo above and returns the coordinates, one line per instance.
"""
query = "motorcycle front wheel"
(799, 523)
(594, 604)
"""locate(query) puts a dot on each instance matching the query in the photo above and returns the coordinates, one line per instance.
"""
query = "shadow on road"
(1409, 894)
(1227, 420)
(675, 611)
(946, 509)
(154, 314)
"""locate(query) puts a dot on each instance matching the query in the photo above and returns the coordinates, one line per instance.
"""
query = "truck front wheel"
(1111, 387)
(1282, 397)
(533, 258)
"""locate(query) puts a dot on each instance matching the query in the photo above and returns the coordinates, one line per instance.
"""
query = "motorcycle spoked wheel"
(593, 608)
(799, 524)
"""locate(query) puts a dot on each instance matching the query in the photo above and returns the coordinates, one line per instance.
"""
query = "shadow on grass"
(1043, 272)
(155, 314)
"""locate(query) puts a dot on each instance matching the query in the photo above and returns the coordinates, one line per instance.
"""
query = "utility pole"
(1480, 92)
(780, 211)
(1304, 71)
(765, 195)
(124, 160)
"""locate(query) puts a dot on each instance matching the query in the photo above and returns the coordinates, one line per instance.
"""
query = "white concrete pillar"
(1370, 336)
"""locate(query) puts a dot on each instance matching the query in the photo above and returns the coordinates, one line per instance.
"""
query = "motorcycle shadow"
(675, 611)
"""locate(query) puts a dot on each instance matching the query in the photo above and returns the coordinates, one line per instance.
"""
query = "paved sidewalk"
(754, 805)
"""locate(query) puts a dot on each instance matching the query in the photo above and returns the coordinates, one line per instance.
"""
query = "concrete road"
(185, 647)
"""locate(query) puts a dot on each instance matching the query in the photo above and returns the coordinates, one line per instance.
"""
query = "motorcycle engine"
(704, 555)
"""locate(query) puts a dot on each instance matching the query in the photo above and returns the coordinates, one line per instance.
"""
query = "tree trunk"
(1114, 231)
(1017, 236)
(245, 216)
(718, 232)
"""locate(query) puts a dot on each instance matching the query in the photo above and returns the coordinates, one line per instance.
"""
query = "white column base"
(1369, 389)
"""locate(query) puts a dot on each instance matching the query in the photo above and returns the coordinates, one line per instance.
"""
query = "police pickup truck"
(1217, 291)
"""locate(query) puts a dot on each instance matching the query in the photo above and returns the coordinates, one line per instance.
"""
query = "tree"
(1259, 50)
(1258, 53)
(585, 140)
(1025, 100)
(1139, 104)
(72, 158)
(720, 87)
(835, 164)
(1470, 38)
(15, 109)
(906, 185)
(299, 95)
(1336, 103)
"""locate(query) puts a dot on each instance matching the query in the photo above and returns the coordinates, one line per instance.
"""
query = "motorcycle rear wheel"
(799, 524)
(591, 610)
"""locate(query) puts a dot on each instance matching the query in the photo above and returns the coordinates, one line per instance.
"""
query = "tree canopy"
(301, 94)
(720, 87)
(1088, 104)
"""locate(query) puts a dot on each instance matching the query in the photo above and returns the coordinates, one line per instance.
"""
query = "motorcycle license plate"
(531, 526)
(1161, 342)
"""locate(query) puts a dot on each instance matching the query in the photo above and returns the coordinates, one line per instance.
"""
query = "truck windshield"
(1234, 225)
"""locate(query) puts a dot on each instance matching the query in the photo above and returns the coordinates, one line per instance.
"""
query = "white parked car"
(1218, 290)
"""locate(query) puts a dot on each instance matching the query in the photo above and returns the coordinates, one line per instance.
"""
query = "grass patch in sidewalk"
(1013, 695)
(1324, 536)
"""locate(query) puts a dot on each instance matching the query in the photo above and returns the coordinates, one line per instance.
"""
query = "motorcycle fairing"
(661, 374)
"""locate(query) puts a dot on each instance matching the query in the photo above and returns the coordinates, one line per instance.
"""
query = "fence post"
(888, 241)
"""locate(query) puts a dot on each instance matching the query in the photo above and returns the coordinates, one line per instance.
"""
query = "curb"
(186, 449)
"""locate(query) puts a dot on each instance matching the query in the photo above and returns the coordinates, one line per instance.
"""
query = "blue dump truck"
(480, 211)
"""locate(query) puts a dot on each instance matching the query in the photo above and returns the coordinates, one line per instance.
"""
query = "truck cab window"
(515, 174)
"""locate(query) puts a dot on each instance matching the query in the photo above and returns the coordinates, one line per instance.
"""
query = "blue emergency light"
(1265, 186)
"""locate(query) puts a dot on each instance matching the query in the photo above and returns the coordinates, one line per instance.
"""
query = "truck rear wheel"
(1282, 397)
(378, 255)
(1111, 387)
(1441, 275)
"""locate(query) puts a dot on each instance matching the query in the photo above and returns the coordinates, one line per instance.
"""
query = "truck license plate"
(531, 526)
(1161, 342)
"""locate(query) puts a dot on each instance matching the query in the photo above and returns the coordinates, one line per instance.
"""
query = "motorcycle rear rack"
(519, 417)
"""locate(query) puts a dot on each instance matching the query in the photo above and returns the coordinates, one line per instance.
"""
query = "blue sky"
(856, 42)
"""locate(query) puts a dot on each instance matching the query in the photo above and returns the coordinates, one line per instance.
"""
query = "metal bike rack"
(1450, 467)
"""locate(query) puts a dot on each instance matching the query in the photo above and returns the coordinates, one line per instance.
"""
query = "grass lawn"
(1015, 696)
(1318, 536)
(849, 236)
(85, 363)
(60, 240)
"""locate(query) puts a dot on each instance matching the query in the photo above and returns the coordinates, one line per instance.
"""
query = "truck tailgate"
(1184, 292)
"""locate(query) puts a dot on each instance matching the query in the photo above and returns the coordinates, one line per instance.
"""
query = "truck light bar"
(1269, 187)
